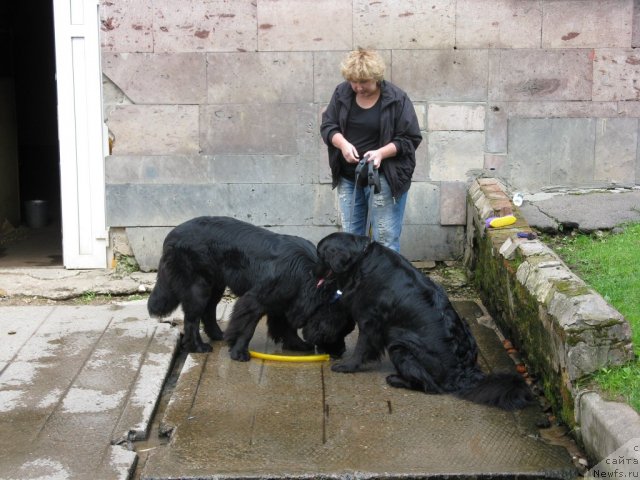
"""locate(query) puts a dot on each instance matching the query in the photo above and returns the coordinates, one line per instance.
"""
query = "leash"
(373, 181)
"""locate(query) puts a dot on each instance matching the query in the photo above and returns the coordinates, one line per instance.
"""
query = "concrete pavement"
(584, 210)
(265, 419)
(77, 382)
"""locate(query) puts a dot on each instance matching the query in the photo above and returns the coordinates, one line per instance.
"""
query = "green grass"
(610, 264)
(86, 298)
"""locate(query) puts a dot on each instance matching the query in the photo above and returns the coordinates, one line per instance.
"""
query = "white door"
(80, 127)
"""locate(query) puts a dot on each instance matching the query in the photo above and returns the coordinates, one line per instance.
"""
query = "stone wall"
(214, 107)
(564, 329)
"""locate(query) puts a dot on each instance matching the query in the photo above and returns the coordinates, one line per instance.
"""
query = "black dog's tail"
(162, 300)
(506, 390)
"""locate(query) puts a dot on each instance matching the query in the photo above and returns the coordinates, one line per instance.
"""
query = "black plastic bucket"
(36, 213)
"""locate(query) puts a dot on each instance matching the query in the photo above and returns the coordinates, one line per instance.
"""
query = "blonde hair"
(361, 65)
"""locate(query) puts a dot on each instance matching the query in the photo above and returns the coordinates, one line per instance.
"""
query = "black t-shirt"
(363, 132)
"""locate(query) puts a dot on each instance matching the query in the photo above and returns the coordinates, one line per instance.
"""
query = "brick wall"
(214, 107)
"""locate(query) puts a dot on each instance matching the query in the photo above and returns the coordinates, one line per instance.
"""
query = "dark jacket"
(398, 124)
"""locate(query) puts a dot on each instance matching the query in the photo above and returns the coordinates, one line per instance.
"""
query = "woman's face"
(365, 88)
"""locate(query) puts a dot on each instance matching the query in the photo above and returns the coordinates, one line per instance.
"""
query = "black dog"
(271, 273)
(400, 309)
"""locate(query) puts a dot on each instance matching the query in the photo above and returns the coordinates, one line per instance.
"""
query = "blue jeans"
(386, 217)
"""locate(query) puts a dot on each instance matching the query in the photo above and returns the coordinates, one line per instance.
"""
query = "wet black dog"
(271, 273)
(399, 309)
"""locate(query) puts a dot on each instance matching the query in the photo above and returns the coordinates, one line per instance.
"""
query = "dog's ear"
(341, 250)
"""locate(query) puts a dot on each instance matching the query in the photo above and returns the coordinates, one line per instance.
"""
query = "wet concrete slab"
(77, 383)
(264, 419)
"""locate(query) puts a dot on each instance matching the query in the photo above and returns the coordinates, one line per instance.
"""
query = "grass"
(610, 264)
(86, 298)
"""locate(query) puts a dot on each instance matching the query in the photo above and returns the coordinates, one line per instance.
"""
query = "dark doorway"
(30, 233)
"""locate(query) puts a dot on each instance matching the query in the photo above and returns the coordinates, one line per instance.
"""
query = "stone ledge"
(604, 426)
(563, 328)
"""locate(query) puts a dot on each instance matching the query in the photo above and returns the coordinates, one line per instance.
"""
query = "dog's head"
(338, 253)
(327, 328)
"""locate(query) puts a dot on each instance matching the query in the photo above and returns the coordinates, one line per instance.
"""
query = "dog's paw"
(239, 355)
(204, 348)
(397, 381)
(192, 347)
(335, 350)
(213, 335)
(344, 367)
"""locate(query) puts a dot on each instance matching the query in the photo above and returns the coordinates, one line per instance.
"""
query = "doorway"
(30, 232)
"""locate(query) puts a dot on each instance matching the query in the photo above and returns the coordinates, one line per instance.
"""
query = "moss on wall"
(520, 317)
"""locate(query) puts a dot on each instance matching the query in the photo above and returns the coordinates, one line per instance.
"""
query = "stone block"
(264, 169)
(162, 205)
(154, 129)
(571, 151)
(451, 75)
(211, 26)
(626, 109)
(456, 116)
(498, 24)
(421, 113)
(326, 74)
(541, 75)
(598, 334)
(545, 152)
(453, 154)
(323, 170)
(616, 74)
(495, 162)
(146, 245)
(541, 275)
(421, 173)
(260, 77)
(126, 26)
(453, 198)
(635, 34)
(606, 428)
(307, 131)
(111, 96)
(432, 242)
(616, 150)
(562, 109)
(325, 206)
(496, 127)
(312, 233)
(423, 204)
(249, 129)
(638, 160)
(176, 78)
(404, 24)
(587, 24)
(158, 169)
(119, 243)
(304, 25)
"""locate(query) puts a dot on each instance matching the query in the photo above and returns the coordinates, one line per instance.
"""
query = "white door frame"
(81, 133)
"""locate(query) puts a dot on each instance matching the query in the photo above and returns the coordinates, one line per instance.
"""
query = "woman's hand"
(374, 156)
(350, 153)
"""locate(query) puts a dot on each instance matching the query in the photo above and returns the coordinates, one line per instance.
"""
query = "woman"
(371, 118)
